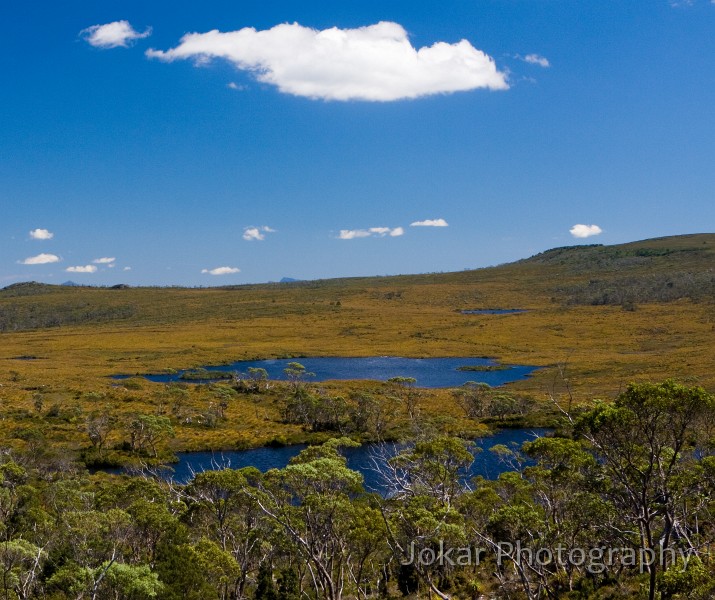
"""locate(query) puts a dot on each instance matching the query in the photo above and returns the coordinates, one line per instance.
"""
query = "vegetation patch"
(205, 375)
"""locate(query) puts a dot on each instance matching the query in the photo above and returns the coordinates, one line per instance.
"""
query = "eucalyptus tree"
(312, 502)
(408, 395)
(473, 398)
(649, 445)
(423, 483)
(219, 509)
(258, 377)
(148, 432)
(296, 373)
(21, 564)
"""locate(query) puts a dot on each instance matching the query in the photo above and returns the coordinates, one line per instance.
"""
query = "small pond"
(428, 372)
(493, 311)
(360, 459)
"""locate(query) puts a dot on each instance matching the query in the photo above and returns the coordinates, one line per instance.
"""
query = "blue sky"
(309, 150)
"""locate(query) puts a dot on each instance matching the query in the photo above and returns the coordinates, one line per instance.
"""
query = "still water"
(428, 372)
(361, 459)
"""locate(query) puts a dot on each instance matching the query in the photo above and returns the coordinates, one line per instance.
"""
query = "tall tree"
(647, 443)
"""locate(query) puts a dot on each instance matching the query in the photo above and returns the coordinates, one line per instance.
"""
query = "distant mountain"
(288, 280)
(71, 284)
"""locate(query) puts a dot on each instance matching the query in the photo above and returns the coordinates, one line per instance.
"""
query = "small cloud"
(234, 86)
(351, 234)
(535, 59)
(40, 259)
(84, 269)
(251, 234)
(41, 234)
(430, 223)
(127, 269)
(380, 231)
(221, 271)
(584, 231)
(112, 35)
(104, 261)
(376, 63)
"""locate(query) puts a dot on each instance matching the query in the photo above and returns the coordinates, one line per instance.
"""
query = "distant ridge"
(682, 263)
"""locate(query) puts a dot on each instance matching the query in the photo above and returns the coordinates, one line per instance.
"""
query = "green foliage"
(202, 374)
(288, 585)
(265, 590)
(128, 582)
(687, 580)
(296, 373)
(636, 474)
(148, 432)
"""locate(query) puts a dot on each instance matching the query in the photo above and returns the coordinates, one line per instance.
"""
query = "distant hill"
(657, 270)
(26, 288)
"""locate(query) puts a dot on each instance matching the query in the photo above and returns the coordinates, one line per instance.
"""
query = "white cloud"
(40, 259)
(535, 59)
(379, 231)
(85, 269)
(584, 231)
(41, 234)
(104, 260)
(113, 35)
(351, 234)
(430, 223)
(373, 63)
(221, 271)
(256, 233)
(127, 269)
(234, 86)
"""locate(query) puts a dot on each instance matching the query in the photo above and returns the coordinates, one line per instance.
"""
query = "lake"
(428, 372)
(360, 459)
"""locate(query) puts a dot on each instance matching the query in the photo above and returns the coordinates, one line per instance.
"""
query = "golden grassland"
(149, 330)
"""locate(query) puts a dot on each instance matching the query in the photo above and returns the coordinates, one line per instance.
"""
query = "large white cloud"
(376, 62)
(113, 35)
(430, 223)
(82, 269)
(221, 271)
(351, 234)
(41, 234)
(40, 259)
(251, 234)
(584, 231)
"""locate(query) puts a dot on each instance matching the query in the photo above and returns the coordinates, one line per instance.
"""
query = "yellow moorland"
(596, 316)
